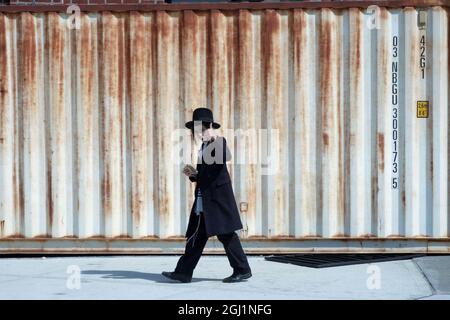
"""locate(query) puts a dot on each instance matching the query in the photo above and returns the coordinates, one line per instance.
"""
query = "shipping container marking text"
(395, 112)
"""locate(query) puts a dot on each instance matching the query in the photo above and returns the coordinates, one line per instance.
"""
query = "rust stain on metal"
(165, 207)
(44, 237)
(244, 36)
(191, 30)
(298, 30)
(138, 115)
(325, 139)
(29, 53)
(3, 74)
(216, 78)
(272, 21)
(56, 46)
(3, 66)
(49, 192)
(107, 192)
(122, 62)
(121, 236)
(271, 28)
(325, 76)
(162, 21)
(342, 175)
(88, 61)
(87, 74)
(374, 192)
(358, 42)
(232, 60)
(355, 26)
(380, 141)
(403, 199)
(384, 15)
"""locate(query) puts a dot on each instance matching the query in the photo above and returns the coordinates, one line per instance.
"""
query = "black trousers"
(194, 248)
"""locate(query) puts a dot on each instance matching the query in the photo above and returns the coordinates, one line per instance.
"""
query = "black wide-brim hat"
(203, 115)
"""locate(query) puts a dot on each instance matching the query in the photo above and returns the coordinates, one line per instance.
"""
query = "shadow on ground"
(123, 274)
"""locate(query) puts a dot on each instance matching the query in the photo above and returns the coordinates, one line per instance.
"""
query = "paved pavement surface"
(139, 277)
(436, 269)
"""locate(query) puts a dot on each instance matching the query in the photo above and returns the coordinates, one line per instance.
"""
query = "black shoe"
(237, 277)
(176, 276)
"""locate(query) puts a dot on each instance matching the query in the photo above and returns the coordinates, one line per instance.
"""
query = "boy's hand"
(189, 170)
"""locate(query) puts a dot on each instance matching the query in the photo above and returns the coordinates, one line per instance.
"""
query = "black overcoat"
(220, 211)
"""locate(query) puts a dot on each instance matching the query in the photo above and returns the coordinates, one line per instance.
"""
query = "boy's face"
(206, 133)
(203, 132)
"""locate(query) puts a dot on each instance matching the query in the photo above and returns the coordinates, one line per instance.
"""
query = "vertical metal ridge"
(60, 126)
(415, 133)
(440, 104)
(10, 204)
(250, 96)
(141, 112)
(114, 183)
(167, 106)
(306, 113)
(276, 56)
(195, 81)
(360, 142)
(384, 202)
(89, 196)
(333, 205)
(33, 104)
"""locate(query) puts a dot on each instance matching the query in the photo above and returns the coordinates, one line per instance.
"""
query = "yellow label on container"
(423, 109)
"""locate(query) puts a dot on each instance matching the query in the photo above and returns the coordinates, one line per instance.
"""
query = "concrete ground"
(138, 277)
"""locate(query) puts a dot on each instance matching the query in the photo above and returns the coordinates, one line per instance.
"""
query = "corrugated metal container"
(86, 159)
